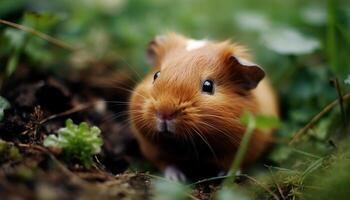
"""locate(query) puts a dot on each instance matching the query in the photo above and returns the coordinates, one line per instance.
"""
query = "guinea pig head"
(197, 90)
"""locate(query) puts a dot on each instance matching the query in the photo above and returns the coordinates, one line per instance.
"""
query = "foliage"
(77, 142)
(167, 190)
(22, 44)
(4, 104)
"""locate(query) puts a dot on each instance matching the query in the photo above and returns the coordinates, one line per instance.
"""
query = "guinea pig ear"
(246, 73)
(155, 50)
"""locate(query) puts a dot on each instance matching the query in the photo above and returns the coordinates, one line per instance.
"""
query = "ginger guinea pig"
(186, 112)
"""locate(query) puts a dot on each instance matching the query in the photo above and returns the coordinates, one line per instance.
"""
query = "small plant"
(78, 142)
(347, 80)
(4, 104)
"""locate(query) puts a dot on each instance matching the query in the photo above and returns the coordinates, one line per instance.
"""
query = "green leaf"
(320, 130)
(168, 190)
(261, 121)
(347, 80)
(16, 37)
(77, 141)
(267, 122)
(51, 140)
(289, 41)
(227, 194)
(12, 64)
(17, 40)
(40, 21)
(247, 117)
(4, 104)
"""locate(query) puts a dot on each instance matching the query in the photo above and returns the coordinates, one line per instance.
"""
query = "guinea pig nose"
(166, 115)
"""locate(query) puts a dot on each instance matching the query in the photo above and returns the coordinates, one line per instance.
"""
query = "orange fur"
(208, 129)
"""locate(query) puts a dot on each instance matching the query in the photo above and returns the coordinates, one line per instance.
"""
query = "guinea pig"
(186, 112)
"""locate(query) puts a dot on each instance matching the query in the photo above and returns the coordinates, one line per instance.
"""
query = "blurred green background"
(301, 44)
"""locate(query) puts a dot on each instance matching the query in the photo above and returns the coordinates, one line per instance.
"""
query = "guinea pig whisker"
(127, 122)
(188, 134)
(117, 86)
(217, 129)
(205, 140)
(105, 121)
(129, 66)
(114, 116)
(222, 113)
(227, 119)
(230, 136)
(129, 90)
(210, 115)
(118, 102)
(144, 124)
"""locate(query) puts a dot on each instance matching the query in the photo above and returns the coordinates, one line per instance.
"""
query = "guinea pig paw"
(174, 174)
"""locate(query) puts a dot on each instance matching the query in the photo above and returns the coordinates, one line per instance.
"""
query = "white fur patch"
(195, 44)
(245, 62)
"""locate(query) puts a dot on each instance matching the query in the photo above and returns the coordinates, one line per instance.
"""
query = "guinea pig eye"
(156, 75)
(208, 86)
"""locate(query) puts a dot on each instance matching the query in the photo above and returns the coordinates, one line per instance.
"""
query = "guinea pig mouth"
(165, 126)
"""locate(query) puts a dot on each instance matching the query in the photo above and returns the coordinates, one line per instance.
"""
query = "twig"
(32, 146)
(341, 102)
(68, 112)
(42, 35)
(317, 117)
